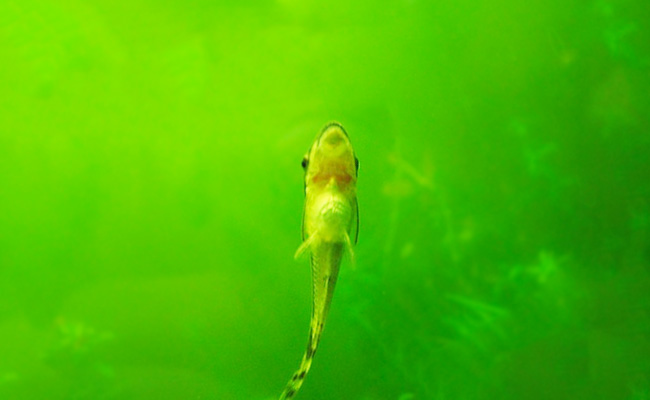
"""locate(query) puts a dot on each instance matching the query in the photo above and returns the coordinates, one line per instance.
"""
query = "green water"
(151, 198)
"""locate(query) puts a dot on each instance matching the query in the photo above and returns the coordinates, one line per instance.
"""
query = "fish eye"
(304, 163)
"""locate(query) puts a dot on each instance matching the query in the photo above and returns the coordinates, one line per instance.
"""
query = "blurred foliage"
(75, 355)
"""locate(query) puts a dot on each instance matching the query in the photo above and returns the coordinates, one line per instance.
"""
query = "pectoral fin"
(305, 245)
(355, 222)
(350, 248)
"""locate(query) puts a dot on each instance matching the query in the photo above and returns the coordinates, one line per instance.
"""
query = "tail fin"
(298, 377)
(325, 263)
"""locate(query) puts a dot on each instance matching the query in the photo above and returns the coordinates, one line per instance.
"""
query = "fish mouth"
(333, 134)
(333, 124)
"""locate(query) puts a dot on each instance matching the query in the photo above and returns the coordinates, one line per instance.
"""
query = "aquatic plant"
(76, 355)
(479, 311)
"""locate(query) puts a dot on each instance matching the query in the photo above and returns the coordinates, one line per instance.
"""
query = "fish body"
(329, 229)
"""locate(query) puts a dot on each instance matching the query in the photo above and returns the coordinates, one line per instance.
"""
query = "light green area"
(151, 196)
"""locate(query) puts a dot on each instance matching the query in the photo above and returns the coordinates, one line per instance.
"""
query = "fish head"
(331, 160)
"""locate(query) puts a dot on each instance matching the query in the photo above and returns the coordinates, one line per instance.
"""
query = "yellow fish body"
(330, 227)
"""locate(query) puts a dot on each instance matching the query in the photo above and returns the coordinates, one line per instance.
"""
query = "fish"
(330, 228)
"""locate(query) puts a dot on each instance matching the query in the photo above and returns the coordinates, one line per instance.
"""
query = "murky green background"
(151, 196)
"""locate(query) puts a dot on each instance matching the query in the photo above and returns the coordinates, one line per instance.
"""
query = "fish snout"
(333, 137)
(334, 141)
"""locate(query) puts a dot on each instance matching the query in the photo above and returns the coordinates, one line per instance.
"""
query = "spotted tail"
(298, 377)
(325, 262)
